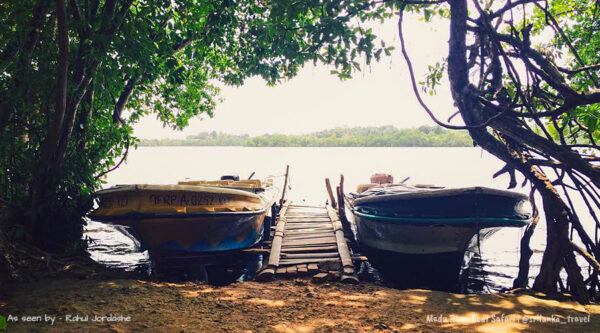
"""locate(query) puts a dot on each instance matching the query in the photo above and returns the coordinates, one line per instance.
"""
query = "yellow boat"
(192, 216)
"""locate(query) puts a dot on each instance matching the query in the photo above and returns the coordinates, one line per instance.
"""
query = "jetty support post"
(330, 192)
(285, 183)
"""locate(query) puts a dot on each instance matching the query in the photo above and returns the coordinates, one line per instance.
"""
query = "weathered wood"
(266, 274)
(341, 241)
(342, 245)
(297, 246)
(315, 240)
(309, 249)
(277, 239)
(349, 278)
(306, 215)
(309, 255)
(308, 239)
(287, 173)
(307, 219)
(309, 261)
(314, 236)
(307, 232)
(291, 271)
(320, 277)
(313, 267)
(330, 192)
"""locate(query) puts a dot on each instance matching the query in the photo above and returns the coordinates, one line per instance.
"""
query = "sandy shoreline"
(280, 306)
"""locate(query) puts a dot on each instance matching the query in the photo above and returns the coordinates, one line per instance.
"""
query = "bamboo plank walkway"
(308, 240)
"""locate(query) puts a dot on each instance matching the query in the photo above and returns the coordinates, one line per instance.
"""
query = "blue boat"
(424, 231)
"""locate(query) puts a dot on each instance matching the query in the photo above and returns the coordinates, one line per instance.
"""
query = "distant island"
(384, 136)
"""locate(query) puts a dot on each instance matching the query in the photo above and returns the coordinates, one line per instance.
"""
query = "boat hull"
(186, 219)
(200, 234)
(426, 235)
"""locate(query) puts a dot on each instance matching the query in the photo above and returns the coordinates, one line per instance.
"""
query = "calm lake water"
(451, 167)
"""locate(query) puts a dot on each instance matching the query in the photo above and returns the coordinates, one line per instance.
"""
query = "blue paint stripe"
(481, 221)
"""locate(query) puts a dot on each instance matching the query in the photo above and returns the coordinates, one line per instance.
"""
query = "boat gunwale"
(176, 188)
(506, 221)
(421, 194)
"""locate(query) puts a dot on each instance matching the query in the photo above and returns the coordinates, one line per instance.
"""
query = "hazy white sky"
(315, 100)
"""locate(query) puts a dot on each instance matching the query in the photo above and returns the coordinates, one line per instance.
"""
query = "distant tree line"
(384, 136)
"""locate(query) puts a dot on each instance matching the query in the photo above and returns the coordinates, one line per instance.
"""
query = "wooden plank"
(308, 249)
(308, 261)
(303, 222)
(281, 270)
(309, 255)
(291, 271)
(328, 237)
(296, 246)
(312, 240)
(308, 230)
(326, 226)
(302, 269)
(320, 277)
(312, 268)
(308, 243)
(307, 220)
(309, 224)
(307, 215)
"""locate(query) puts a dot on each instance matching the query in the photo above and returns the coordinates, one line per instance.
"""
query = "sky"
(316, 100)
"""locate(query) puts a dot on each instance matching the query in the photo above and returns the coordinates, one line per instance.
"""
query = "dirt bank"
(281, 306)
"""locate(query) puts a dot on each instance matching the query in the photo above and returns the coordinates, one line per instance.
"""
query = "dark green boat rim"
(482, 221)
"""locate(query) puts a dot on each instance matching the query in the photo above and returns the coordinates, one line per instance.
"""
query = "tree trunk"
(557, 254)
(522, 280)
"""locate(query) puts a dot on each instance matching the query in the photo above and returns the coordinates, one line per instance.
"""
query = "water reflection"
(492, 271)
(115, 247)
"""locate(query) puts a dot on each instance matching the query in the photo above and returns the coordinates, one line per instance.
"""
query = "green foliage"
(385, 136)
(433, 77)
(131, 58)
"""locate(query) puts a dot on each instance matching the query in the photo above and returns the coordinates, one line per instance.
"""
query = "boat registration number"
(168, 199)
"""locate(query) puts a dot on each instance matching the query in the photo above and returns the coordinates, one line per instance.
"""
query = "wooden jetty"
(309, 240)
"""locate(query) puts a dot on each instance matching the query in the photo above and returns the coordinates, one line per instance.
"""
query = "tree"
(76, 75)
(536, 108)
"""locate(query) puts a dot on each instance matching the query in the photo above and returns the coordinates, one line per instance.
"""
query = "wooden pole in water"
(331, 197)
(287, 173)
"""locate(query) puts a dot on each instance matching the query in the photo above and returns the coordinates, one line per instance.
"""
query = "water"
(451, 167)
